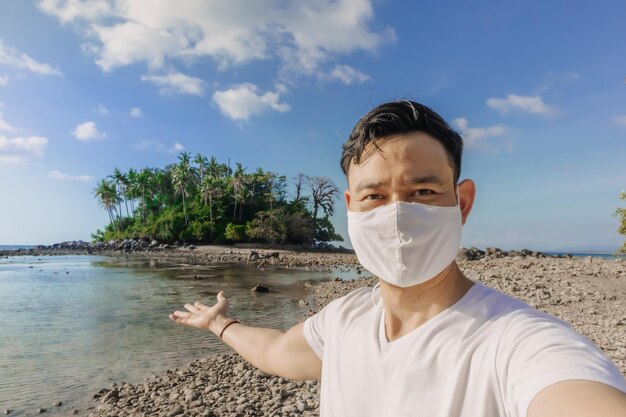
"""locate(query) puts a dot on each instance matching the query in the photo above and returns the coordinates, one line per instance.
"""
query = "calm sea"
(70, 325)
(15, 247)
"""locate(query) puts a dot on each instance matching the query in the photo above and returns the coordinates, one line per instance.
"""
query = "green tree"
(200, 199)
(235, 232)
(143, 179)
(181, 176)
(325, 231)
(210, 190)
(201, 162)
(268, 226)
(621, 215)
(108, 198)
(237, 182)
(119, 178)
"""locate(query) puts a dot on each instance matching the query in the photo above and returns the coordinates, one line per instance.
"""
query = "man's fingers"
(220, 296)
(181, 314)
(191, 308)
(199, 304)
(179, 320)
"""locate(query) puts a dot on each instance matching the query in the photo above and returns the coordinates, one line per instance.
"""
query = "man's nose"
(396, 197)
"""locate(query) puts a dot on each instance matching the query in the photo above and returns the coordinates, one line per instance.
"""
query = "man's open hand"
(200, 316)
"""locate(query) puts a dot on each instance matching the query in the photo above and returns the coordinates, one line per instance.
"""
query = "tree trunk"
(211, 219)
(143, 203)
(185, 209)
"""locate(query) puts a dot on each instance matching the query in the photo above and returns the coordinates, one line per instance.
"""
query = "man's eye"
(373, 197)
(424, 191)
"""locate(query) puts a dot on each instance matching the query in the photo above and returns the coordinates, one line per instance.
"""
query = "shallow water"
(70, 325)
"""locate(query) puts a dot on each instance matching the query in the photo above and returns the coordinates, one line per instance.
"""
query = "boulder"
(260, 288)
(464, 255)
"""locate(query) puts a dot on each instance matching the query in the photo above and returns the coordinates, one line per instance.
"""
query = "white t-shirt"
(487, 355)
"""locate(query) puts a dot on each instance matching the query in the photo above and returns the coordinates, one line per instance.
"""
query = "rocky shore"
(589, 293)
(291, 256)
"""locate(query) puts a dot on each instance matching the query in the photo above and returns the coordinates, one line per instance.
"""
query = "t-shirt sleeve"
(537, 350)
(314, 331)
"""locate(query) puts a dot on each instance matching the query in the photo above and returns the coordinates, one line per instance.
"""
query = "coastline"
(259, 255)
(588, 293)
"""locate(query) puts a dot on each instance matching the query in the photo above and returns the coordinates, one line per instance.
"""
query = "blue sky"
(536, 88)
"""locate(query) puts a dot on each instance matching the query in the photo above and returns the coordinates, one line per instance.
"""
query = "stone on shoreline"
(260, 287)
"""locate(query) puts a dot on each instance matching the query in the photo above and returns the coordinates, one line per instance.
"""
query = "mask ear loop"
(374, 289)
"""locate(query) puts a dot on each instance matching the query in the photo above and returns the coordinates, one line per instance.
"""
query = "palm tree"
(108, 198)
(133, 188)
(201, 161)
(160, 183)
(237, 182)
(181, 175)
(143, 182)
(120, 180)
(214, 168)
(210, 189)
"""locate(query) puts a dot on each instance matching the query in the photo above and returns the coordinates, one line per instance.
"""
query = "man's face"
(411, 168)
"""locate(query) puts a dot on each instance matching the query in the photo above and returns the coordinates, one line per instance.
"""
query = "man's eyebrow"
(427, 179)
(365, 185)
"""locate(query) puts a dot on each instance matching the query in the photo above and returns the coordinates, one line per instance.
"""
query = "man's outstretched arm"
(284, 354)
(578, 399)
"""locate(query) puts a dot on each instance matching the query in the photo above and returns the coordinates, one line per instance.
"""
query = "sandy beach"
(588, 293)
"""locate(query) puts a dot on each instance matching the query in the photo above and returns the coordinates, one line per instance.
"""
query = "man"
(429, 341)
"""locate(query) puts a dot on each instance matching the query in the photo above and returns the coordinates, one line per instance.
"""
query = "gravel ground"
(588, 293)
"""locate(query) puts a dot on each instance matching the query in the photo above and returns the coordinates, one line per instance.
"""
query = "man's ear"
(346, 195)
(467, 193)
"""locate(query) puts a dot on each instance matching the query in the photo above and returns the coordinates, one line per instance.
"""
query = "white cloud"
(13, 159)
(303, 37)
(156, 146)
(4, 80)
(130, 42)
(88, 131)
(102, 109)
(58, 175)
(348, 75)
(473, 135)
(20, 150)
(69, 10)
(528, 104)
(243, 101)
(176, 83)
(620, 120)
(135, 112)
(13, 58)
(4, 125)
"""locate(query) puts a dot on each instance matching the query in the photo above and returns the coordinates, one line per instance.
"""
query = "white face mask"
(406, 244)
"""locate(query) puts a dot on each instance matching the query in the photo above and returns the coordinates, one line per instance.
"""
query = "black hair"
(397, 118)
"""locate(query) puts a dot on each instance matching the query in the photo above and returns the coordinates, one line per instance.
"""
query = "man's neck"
(410, 307)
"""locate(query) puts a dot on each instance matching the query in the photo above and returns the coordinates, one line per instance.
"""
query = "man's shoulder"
(355, 297)
(495, 305)
(520, 322)
(356, 303)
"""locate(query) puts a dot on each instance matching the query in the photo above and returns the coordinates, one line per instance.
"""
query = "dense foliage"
(621, 214)
(202, 200)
